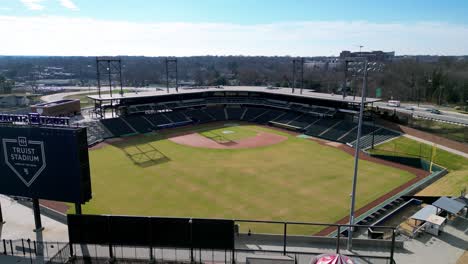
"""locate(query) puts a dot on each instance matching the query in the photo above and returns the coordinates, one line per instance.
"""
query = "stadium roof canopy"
(450, 205)
(262, 89)
(425, 213)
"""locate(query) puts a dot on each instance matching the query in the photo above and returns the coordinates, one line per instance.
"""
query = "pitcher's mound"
(260, 140)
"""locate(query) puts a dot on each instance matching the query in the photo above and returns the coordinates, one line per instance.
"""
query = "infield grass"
(229, 132)
(295, 180)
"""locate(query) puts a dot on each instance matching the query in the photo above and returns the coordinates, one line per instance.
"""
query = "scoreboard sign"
(45, 162)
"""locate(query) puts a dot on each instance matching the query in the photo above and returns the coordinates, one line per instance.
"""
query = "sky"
(232, 27)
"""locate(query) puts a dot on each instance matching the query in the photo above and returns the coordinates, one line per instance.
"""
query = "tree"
(6, 86)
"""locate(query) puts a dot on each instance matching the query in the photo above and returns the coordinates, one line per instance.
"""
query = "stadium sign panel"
(26, 158)
(34, 119)
(45, 162)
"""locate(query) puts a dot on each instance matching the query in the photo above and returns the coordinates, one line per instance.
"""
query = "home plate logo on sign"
(26, 158)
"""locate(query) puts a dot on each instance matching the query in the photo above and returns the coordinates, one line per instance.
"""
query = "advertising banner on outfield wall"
(45, 162)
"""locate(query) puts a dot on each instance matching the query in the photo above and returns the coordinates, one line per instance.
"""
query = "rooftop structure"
(262, 89)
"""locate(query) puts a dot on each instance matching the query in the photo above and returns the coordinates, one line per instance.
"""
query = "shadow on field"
(145, 155)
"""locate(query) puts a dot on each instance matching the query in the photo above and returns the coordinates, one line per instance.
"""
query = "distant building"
(58, 108)
(13, 100)
(378, 55)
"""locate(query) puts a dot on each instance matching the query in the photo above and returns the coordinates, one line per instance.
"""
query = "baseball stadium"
(237, 153)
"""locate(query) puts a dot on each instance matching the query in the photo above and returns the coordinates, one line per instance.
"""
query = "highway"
(444, 116)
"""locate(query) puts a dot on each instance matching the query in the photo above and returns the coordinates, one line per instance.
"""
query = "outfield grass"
(295, 180)
(451, 184)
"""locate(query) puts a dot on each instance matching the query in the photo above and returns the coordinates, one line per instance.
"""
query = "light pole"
(356, 157)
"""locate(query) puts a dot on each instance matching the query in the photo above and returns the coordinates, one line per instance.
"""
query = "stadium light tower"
(172, 74)
(359, 65)
(298, 74)
(356, 157)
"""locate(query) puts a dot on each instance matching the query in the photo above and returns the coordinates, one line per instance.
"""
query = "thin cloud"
(50, 35)
(33, 4)
(69, 5)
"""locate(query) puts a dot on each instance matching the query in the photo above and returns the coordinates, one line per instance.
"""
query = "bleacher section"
(321, 126)
(303, 121)
(351, 136)
(176, 117)
(158, 119)
(286, 118)
(117, 127)
(198, 115)
(216, 112)
(235, 113)
(339, 130)
(253, 112)
(268, 116)
(96, 132)
(139, 123)
(380, 135)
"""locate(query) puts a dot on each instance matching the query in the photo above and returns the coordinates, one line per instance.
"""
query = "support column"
(1, 215)
(37, 215)
(78, 209)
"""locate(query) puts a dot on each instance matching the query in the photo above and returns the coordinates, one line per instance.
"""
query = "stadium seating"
(216, 112)
(253, 112)
(321, 126)
(235, 113)
(337, 131)
(158, 119)
(175, 116)
(96, 132)
(303, 121)
(139, 123)
(268, 116)
(380, 135)
(198, 115)
(118, 127)
(286, 118)
(351, 136)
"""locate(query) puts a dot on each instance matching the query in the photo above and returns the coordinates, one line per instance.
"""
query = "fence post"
(191, 241)
(338, 233)
(71, 250)
(1, 215)
(393, 247)
(111, 253)
(284, 238)
(4, 247)
(22, 243)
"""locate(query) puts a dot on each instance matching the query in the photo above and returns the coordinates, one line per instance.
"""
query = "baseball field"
(239, 171)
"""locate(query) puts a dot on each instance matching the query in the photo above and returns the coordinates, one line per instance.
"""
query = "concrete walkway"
(454, 151)
(19, 224)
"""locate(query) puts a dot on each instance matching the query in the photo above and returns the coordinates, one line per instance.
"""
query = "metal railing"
(250, 239)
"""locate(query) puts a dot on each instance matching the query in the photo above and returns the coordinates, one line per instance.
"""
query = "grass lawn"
(451, 184)
(447, 130)
(295, 180)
